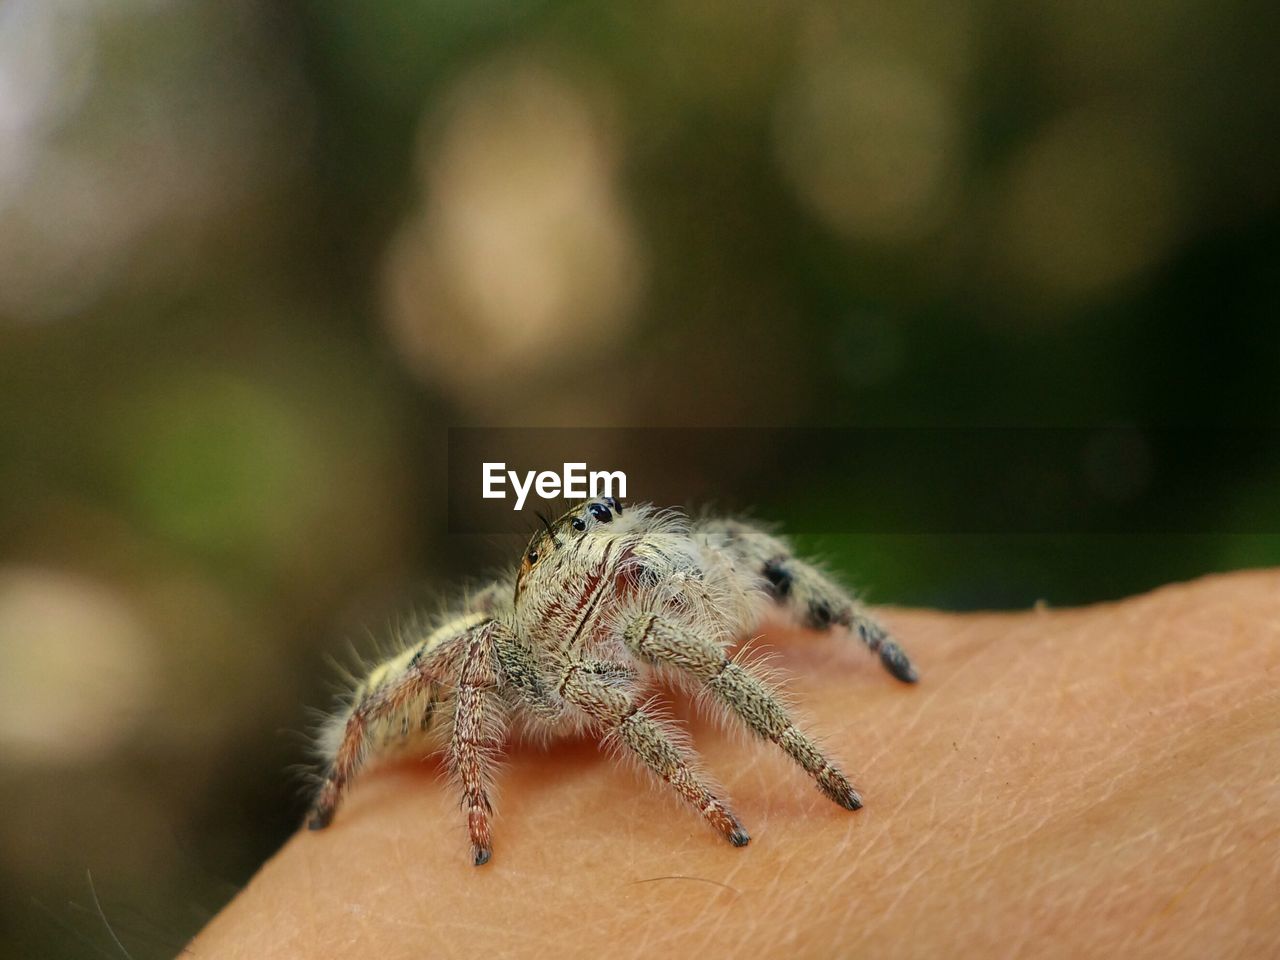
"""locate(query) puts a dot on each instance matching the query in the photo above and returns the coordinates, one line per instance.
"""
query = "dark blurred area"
(257, 258)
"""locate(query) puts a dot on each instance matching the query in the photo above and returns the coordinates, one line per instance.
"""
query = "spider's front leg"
(812, 597)
(664, 643)
(605, 693)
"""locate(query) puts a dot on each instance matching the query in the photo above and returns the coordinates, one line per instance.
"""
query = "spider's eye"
(532, 556)
(578, 523)
(601, 512)
(615, 503)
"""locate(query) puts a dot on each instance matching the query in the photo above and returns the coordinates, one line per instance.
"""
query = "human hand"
(1102, 781)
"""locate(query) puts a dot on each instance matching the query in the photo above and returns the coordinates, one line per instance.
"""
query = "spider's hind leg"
(809, 595)
(363, 734)
(820, 604)
(398, 695)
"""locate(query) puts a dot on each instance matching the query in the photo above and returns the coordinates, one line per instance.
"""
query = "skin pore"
(1101, 781)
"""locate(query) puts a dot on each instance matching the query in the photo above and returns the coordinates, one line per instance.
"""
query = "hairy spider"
(603, 598)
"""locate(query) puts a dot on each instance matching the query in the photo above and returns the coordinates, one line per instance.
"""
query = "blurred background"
(257, 258)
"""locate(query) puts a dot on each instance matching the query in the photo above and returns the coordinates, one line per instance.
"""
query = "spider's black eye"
(600, 512)
(615, 503)
(533, 556)
(578, 523)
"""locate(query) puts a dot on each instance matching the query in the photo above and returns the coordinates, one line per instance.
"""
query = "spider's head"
(558, 538)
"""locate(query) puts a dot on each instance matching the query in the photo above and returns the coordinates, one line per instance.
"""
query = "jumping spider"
(602, 597)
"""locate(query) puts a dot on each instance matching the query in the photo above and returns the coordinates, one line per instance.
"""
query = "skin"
(1094, 782)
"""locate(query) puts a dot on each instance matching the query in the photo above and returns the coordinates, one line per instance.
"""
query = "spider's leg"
(813, 598)
(409, 682)
(821, 604)
(741, 691)
(478, 724)
(604, 692)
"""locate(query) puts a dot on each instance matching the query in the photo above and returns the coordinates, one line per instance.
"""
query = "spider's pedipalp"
(518, 666)
(738, 689)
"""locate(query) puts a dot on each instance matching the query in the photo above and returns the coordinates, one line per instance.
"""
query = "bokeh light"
(870, 129)
(1092, 202)
(77, 667)
(522, 251)
(118, 161)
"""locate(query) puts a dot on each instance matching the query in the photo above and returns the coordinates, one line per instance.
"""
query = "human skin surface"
(1096, 782)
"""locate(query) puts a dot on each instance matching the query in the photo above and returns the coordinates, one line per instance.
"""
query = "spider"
(604, 598)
